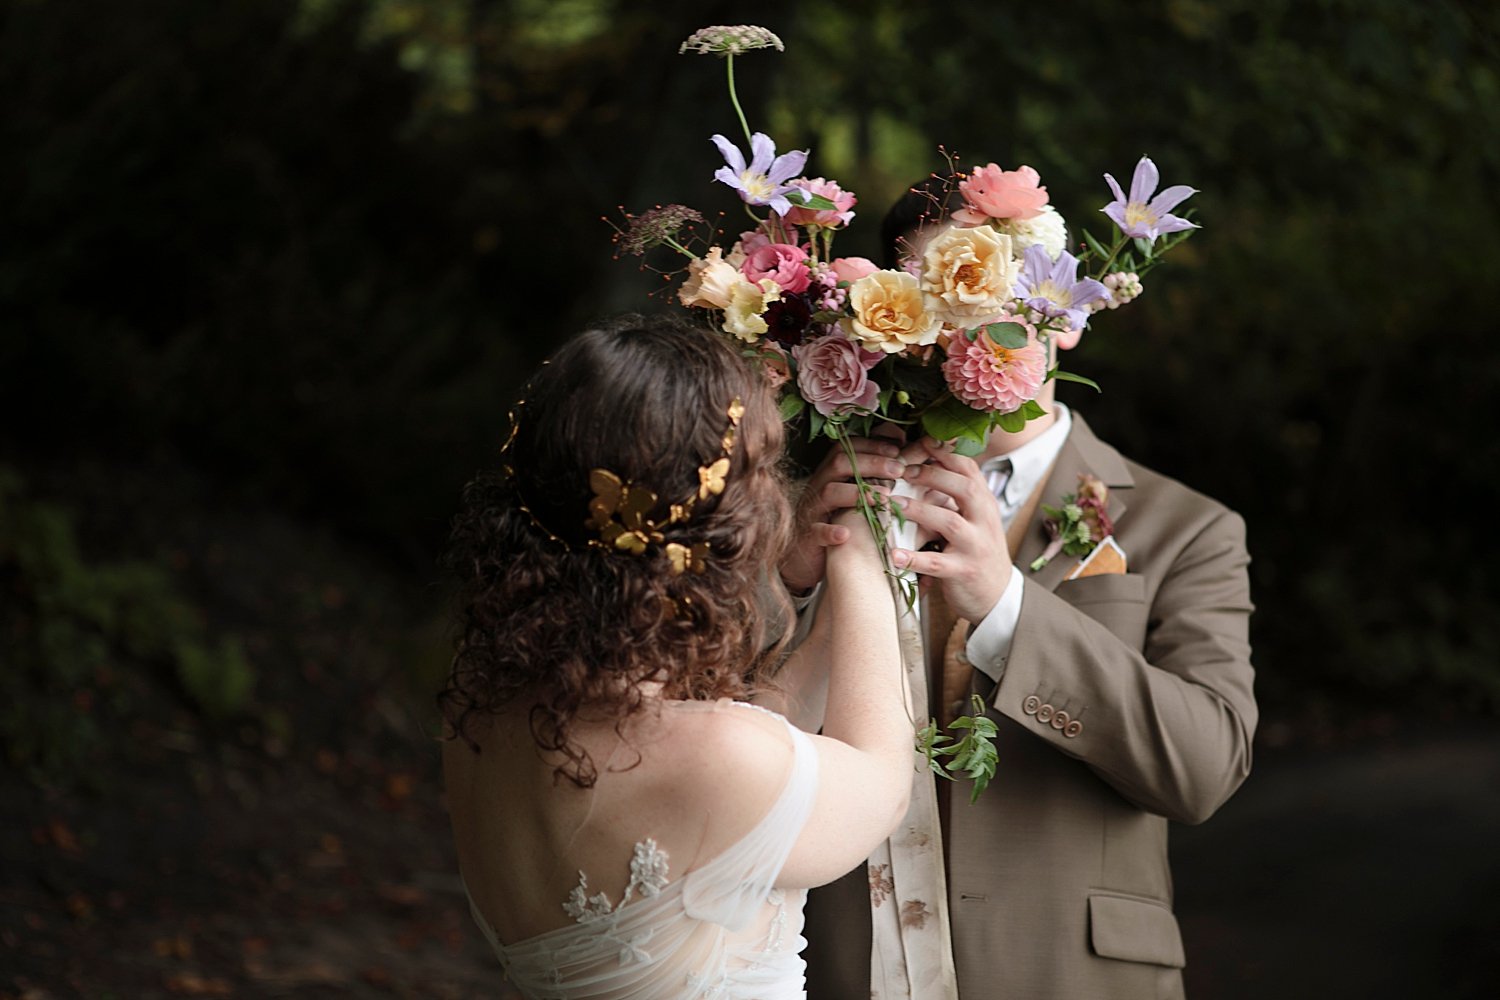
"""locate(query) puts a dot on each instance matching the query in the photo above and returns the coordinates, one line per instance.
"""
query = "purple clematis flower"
(1142, 216)
(1052, 287)
(764, 181)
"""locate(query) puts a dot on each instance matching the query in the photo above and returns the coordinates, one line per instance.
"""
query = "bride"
(630, 823)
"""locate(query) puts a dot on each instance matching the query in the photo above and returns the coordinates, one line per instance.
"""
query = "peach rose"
(992, 193)
(710, 282)
(971, 272)
(890, 313)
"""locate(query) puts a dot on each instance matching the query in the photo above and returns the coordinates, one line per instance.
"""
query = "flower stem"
(863, 505)
(735, 99)
(679, 248)
(1113, 253)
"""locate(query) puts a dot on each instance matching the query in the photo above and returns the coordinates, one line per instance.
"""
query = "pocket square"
(1107, 557)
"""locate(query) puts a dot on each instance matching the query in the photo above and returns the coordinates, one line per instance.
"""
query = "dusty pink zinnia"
(988, 377)
(833, 374)
(782, 263)
(992, 193)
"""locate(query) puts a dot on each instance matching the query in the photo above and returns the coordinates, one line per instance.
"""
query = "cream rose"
(891, 313)
(971, 272)
(744, 316)
(710, 283)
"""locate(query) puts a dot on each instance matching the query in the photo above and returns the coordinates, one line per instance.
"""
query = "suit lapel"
(1081, 454)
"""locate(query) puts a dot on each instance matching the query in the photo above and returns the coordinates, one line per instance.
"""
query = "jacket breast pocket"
(1115, 600)
(1133, 929)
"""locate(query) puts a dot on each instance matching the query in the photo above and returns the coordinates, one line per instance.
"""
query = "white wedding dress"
(722, 931)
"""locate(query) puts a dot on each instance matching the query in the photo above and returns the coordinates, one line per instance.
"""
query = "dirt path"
(1371, 872)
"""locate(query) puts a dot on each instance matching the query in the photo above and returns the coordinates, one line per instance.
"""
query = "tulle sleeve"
(731, 889)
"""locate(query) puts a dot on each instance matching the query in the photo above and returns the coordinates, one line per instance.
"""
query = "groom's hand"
(829, 490)
(958, 508)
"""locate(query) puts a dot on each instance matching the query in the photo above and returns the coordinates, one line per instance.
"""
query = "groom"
(1123, 700)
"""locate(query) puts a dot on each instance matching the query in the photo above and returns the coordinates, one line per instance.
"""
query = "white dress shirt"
(989, 642)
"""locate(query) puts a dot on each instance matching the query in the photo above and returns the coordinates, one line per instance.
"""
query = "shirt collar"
(1030, 462)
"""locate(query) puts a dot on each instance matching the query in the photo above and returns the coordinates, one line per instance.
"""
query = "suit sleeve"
(1169, 726)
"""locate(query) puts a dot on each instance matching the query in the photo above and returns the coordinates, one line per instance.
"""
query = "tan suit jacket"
(1058, 879)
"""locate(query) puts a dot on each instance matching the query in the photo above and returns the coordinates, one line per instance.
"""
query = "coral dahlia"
(996, 379)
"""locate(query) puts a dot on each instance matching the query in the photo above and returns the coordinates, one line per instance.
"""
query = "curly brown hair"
(546, 616)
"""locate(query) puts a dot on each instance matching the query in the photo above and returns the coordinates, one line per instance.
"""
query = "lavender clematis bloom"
(764, 181)
(1141, 216)
(1053, 289)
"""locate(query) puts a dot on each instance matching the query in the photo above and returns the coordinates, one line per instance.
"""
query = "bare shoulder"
(729, 763)
(712, 740)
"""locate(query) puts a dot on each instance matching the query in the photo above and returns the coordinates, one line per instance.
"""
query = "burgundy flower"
(788, 320)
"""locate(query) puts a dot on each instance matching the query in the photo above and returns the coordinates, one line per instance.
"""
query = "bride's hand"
(829, 490)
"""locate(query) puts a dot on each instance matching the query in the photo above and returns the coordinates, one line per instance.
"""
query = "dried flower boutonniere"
(1080, 524)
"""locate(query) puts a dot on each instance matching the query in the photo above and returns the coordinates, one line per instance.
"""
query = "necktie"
(997, 473)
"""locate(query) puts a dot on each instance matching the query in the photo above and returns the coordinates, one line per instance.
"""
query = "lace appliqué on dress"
(648, 875)
(584, 908)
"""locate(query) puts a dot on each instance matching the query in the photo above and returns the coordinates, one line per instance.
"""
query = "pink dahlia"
(988, 377)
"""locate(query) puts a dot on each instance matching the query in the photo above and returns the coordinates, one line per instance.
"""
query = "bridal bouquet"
(957, 342)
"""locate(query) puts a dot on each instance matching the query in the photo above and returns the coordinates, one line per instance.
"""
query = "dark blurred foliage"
(304, 252)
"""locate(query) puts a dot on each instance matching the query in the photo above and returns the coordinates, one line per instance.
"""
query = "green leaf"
(1031, 410)
(1010, 422)
(968, 447)
(806, 199)
(950, 420)
(791, 406)
(1144, 246)
(815, 422)
(1011, 336)
(1063, 376)
(1099, 249)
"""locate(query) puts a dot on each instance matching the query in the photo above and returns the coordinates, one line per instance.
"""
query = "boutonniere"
(1080, 524)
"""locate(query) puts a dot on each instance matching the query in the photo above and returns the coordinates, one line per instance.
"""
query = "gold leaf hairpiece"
(619, 509)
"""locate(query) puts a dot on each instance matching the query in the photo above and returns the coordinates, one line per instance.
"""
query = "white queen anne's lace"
(731, 40)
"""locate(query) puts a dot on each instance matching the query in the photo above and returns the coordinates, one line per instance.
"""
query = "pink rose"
(782, 263)
(992, 193)
(839, 215)
(833, 374)
(851, 269)
(751, 240)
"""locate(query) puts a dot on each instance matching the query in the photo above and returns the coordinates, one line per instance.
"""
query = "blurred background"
(271, 269)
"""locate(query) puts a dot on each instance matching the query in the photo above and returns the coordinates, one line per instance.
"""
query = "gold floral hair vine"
(619, 508)
(619, 511)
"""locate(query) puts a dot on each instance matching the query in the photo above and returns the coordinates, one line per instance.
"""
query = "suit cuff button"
(1031, 704)
(1060, 720)
(1045, 713)
(1072, 729)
